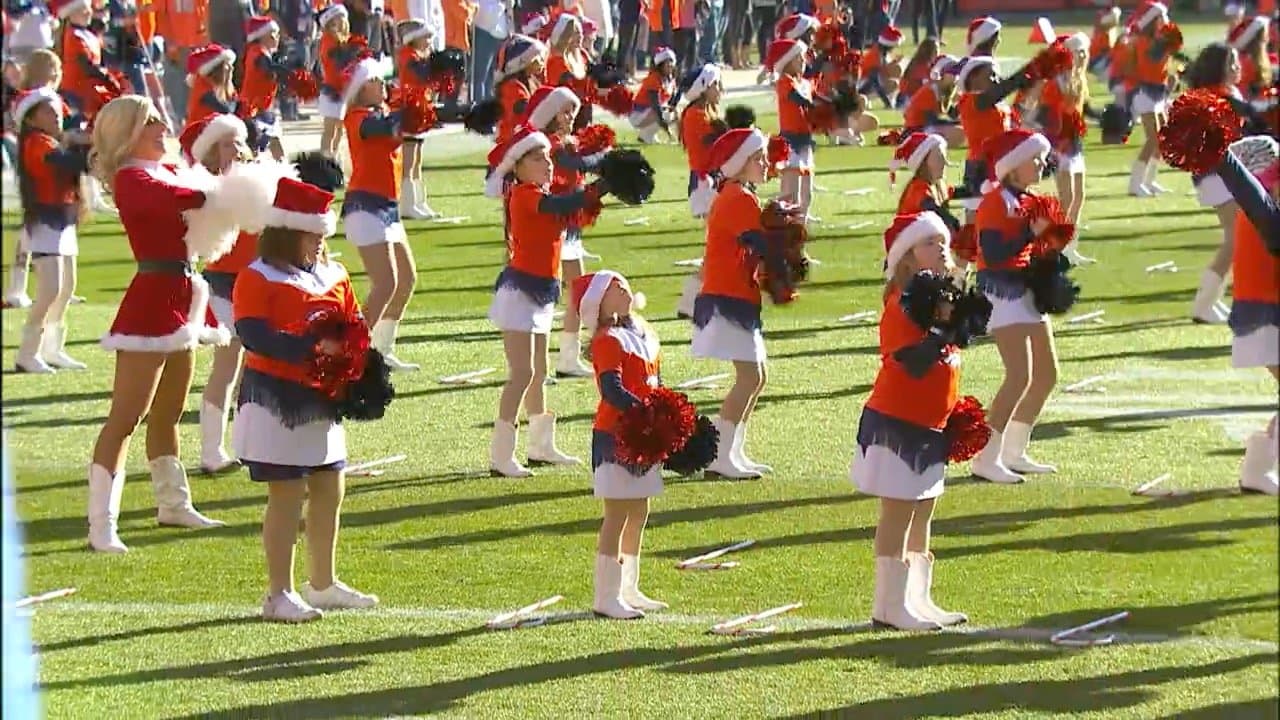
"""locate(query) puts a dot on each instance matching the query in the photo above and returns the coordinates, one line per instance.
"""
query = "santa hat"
(970, 64)
(1233, 10)
(503, 158)
(890, 36)
(588, 291)
(412, 29)
(664, 55)
(203, 60)
(1149, 12)
(516, 53)
(359, 74)
(64, 8)
(782, 52)
(332, 13)
(1109, 17)
(942, 65)
(199, 137)
(30, 99)
(981, 30)
(563, 23)
(1076, 42)
(547, 102)
(912, 152)
(1010, 149)
(730, 152)
(793, 27)
(908, 231)
(533, 23)
(256, 28)
(709, 75)
(1244, 33)
(302, 206)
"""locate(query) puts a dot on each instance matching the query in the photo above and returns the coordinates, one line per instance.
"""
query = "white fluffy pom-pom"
(238, 200)
(639, 300)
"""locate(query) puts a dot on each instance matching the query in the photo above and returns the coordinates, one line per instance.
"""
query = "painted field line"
(1023, 634)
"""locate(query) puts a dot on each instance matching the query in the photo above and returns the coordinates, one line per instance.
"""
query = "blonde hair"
(116, 131)
(44, 67)
(1077, 87)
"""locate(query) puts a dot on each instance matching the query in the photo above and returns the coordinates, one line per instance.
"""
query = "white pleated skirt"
(1014, 311)
(723, 339)
(514, 311)
(880, 472)
(364, 229)
(1260, 348)
(259, 436)
(611, 481)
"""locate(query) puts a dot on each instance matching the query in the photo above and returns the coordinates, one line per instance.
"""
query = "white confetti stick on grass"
(716, 553)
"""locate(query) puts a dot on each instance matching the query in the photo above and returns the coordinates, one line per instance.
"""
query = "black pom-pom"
(698, 452)
(628, 176)
(924, 293)
(1051, 288)
(605, 73)
(969, 316)
(449, 61)
(368, 397)
(317, 168)
(1116, 124)
(739, 116)
(482, 117)
(846, 103)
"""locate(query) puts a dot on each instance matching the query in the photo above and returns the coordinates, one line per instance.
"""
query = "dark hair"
(1210, 67)
(281, 246)
(987, 47)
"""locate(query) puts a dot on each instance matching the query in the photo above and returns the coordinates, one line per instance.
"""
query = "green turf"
(169, 630)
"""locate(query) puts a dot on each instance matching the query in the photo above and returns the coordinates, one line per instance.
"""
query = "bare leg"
(1044, 374)
(223, 374)
(749, 378)
(136, 377)
(280, 532)
(168, 404)
(406, 279)
(571, 270)
(891, 531)
(519, 349)
(633, 531)
(380, 265)
(921, 526)
(535, 400)
(609, 542)
(324, 504)
(1013, 344)
(1221, 263)
(790, 186)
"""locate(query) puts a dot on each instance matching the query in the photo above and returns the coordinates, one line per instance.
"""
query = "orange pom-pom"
(618, 101)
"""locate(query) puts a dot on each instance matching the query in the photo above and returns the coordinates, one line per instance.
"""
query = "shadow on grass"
(1164, 620)
(149, 631)
(1145, 421)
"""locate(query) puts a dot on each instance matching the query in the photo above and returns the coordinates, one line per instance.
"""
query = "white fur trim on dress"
(551, 105)
(262, 32)
(325, 224)
(366, 70)
(1035, 145)
(194, 332)
(219, 127)
(34, 98)
(1256, 25)
(986, 30)
(973, 63)
(562, 26)
(527, 144)
(1154, 10)
(335, 10)
(708, 76)
(234, 201)
(589, 307)
(926, 226)
(754, 143)
(227, 55)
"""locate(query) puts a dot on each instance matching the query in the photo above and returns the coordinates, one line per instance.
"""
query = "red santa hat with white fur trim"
(258, 27)
(547, 102)
(30, 99)
(664, 55)
(782, 52)
(1010, 149)
(890, 37)
(970, 64)
(1149, 12)
(302, 206)
(912, 152)
(332, 13)
(981, 30)
(908, 231)
(730, 152)
(503, 158)
(65, 8)
(588, 291)
(563, 23)
(1244, 33)
(199, 137)
(362, 72)
(203, 60)
(793, 27)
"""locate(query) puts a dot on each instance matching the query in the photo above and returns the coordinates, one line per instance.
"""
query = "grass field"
(169, 630)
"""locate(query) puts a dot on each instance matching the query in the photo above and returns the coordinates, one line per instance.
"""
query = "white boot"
(740, 451)
(1149, 179)
(16, 295)
(1017, 436)
(105, 492)
(919, 586)
(1258, 471)
(725, 465)
(1138, 180)
(408, 203)
(542, 442)
(213, 426)
(890, 606)
(1072, 253)
(420, 201)
(383, 338)
(502, 452)
(1204, 307)
(688, 293)
(173, 496)
(53, 349)
(630, 593)
(989, 466)
(608, 601)
(28, 359)
(570, 362)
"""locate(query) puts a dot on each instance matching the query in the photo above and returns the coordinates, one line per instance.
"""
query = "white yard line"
(386, 613)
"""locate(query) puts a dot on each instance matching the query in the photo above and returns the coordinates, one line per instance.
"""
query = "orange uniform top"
(203, 101)
(695, 128)
(568, 71)
(412, 72)
(1122, 67)
(728, 269)
(922, 107)
(259, 86)
(284, 300)
(332, 63)
(926, 401)
(534, 238)
(653, 82)
(1149, 71)
(873, 59)
(1099, 43)
(376, 159)
(81, 49)
(915, 78)
(915, 195)
(1255, 270)
(51, 185)
(980, 125)
(998, 212)
(635, 356)
(242, 255)
(513, 95)
(793, 118)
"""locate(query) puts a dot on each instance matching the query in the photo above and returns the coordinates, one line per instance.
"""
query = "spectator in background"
(492, 26)
(629, 14)
(710, 28)
(182, 25)
(765, 15)
(687, 19)
(662, 16)
(122, 46)
(458, 16)
(226, 24)
(32, 29)
(297, 19)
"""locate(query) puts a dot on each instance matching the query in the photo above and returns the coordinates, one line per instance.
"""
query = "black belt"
(165, 267)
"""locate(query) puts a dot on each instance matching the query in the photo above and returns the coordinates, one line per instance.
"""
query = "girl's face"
(373, 93)
(150, 145)
(572, 38)
(616, 302)
(946, 82)
(795, 67)
(271, 41)
(422, 44)
(982, 79)
(1028, 173)
(45, 119)
(535, 167)
(339, 26)
(1232, 75)
(563, 122)
(932, 254)
(756, 169)
(224, 152)
(221, 74)
(309, 245)
(935, 165)
(713, 92)
(667, 69)
(536, 67)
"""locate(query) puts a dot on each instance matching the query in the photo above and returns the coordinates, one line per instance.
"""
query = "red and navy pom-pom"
(739, 116)
(698, 452)
(1201, 125)
(653, 429)
(777, 153)
(367, 397)
(618, 100)
(628, 175)
(1052, 290)
(1050, 62)
(302, 85)
(446, 69)
(967, 431)
(596, 138)
(482, 117)
(330, 373)
(417, 114)
(822, 116)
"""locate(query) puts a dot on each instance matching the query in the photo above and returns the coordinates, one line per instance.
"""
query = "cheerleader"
(626, 354)
(337, 52)
(526, 291)
(1102, 41)
(1151, 55)
(49, 171)
(413, 72)
(567, 63)
(286, 431)
(209, 77)
(882, 68)
(521, 65)
(931, 109)
(924, 157)
(1122, 73)
(697, 132)
(983, 36)
(918, 70)
(371, 208)
(726, 313)
(1022, 334)
(163, 314)
(1250, 40)
(1061, 115)
(81, 53)
(983, 116)
(649, 113)
(263, 75)
(795, 99)
(901, 453)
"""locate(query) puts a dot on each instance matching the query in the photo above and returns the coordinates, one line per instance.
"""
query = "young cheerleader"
(882, 68)
(286, 431)
(919, 69)
(48, 173)
(337, 53)
(567, 63)
(371, 208)
(795, 100)
(901, 453)
(1250, 40)
(1151, 55)
(263, 75)
(626, 354)
(521, 65)
(413, 74)
(526, 291)
(649, 113)
(1103, 39)
(983, 37)
(209, 77)
(1023, 335)
(932, 107)
(983, 115)
(924, 157)
(81, 55)
(1061, 115)
(697, 133)
(726, 314)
